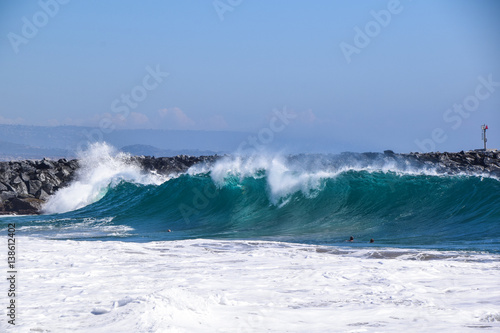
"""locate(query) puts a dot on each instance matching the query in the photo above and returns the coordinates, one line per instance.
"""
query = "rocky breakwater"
(26, 185)
(469, 162)
(171, 165)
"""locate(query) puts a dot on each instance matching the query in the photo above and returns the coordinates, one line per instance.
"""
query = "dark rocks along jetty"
(26, 185)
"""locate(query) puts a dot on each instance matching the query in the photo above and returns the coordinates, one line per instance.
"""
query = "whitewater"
(260, 243)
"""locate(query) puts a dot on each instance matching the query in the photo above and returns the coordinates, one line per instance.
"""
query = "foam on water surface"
(250, 286)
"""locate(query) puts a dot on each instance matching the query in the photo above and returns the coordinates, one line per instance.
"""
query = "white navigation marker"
(484, 128)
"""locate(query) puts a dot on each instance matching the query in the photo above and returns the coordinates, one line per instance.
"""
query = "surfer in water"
(351, 239)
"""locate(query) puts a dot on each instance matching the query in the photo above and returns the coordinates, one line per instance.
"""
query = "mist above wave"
(100, 167)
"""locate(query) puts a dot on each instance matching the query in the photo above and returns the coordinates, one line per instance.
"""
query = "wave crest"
(101, 166)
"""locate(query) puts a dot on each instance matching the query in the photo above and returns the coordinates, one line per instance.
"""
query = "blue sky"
(230, 63)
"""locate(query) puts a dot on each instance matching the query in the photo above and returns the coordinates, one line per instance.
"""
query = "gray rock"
(53, 179)
(41, 176)
(34, 186)
(48, 188)
(3, 187)
(42, 195)
(21, 189)
(25, 206)
(16, 180)
(45, 164)
(64, 173)
(25, 177)
(7, 195)
(27, 167)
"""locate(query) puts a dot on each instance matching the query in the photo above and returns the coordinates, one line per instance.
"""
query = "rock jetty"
(26, 185)
(470, 162)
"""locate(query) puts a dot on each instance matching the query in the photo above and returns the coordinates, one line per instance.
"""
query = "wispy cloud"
(308, 117)
(139, 119)
(175, 118)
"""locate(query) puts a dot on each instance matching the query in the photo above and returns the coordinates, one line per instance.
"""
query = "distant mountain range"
(14, 151)
(148, 150)
(35, 142)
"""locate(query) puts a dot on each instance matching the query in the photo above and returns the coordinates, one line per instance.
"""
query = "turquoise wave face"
(404, 210)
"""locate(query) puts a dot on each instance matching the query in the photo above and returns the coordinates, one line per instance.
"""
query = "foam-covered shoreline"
(26, 185)
(249, 286)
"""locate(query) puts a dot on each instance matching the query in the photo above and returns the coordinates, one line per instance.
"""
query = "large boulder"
(34, 186)
(24, 205)
(21, 189)
(45, 164)
(3, 187)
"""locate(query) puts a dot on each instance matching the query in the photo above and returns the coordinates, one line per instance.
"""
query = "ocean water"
(258, 243)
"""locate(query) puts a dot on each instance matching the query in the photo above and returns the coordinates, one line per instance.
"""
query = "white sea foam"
(282, 178)
(76, 228)
(306, 173)
(100, 167)
(249, 286)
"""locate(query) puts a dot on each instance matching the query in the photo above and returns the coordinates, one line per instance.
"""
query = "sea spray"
(101, 166)
(286, 175)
